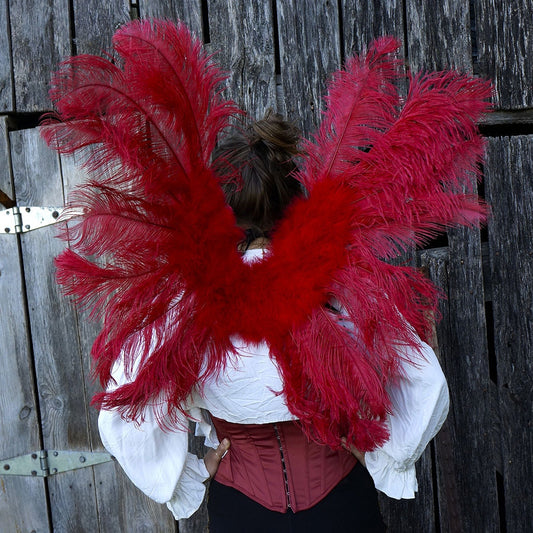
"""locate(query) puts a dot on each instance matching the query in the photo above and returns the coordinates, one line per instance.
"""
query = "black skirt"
(352, 506)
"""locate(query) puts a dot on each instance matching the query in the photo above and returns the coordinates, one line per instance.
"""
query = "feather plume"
(151, 121)
(390, 174)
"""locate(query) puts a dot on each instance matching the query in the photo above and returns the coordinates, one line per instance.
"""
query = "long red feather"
(151, 122)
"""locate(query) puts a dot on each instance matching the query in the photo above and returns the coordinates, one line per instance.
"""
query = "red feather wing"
(154, 213)
(382, 174)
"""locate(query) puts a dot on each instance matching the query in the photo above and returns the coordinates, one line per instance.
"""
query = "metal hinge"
(46, 463)
(20, 219)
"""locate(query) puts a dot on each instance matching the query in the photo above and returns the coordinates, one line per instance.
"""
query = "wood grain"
(37, 49)
(309, 43)
(504, 31)
(19, 417)
(95, 22)
(6, 178)
(438, 35)
(189, 11)
(242, 34)
(54, 337)
(366, 20)
(6, 82)
(467, 366)
(509, 190)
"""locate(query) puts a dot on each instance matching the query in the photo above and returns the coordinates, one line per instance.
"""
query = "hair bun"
(276, 133)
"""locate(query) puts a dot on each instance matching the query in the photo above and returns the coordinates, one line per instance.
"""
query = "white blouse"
(159, 464)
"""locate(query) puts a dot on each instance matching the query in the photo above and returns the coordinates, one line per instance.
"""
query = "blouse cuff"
(395, 483)
(190, 489)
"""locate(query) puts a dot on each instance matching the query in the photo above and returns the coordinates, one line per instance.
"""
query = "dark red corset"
(276, 466)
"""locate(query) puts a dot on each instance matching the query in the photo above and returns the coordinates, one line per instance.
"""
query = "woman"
(273, 323)
(273, 478)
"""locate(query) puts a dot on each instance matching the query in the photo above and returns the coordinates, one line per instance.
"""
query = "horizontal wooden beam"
(506, 117)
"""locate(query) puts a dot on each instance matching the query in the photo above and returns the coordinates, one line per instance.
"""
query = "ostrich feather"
(361, 102)
(150, 119)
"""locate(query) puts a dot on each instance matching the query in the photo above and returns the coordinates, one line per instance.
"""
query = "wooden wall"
(477, 475)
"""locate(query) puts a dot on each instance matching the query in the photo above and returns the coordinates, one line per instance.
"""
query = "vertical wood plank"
(59, 373)
(365, 20)
(467, 366)
(95, 22)
(243, 34)
(189, 11)
(37, 48)
(6, 179)
(438, 35)
(429, 28)
(436, 263)
(509, 190)
(362, 22)
(309, 43)
(116, 495)
(6, 85)
(465, 446)
(22, 499)
(504, 31)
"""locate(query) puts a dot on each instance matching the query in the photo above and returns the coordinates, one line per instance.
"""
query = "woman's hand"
(213, 457)
(355, 452)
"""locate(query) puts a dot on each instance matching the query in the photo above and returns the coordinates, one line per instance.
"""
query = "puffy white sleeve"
(420, 405)
(156, 461)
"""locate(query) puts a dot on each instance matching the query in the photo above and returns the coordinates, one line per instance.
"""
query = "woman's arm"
(157, 461)
(420, 405)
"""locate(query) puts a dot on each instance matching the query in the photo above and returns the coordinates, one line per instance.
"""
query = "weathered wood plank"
(365, 20)
(37, 48)
(116, 496)
(22, 499)
(6, 180)
(309, 43)
(509, 190)
(435, 36)
(438, 35)
(189, 11)
(435, 262)
(465, 445)
(95, 22)
(243, 33)
(59, 372)
(522, 117)
(6, 82)
(505, 49)
(467, 368)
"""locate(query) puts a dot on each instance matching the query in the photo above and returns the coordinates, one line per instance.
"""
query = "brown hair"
(256, 167)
